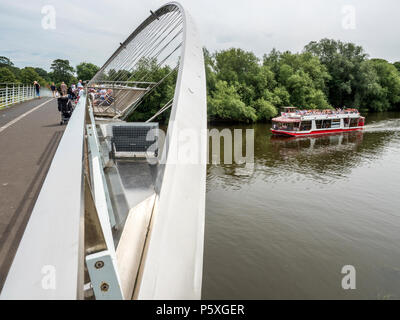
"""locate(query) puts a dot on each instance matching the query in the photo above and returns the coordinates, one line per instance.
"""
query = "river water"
(309, 207)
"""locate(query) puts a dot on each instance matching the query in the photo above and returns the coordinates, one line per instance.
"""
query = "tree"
(237, 80)
(86, 70)
(211, 75)
(28, 75)
(283, 95)
(4, 61)
(262, 80)
(236, 65)
(43, 73)
(301, 79)
(6, 75)
(344, 62)
(384, 92)
(7, 63)
(272, 60)
(160, 95)
(316, 99)
(265, 110)
(62, 71)
(225, 104)
(397, 65)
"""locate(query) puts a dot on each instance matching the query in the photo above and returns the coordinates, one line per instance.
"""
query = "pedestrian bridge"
(92, 210)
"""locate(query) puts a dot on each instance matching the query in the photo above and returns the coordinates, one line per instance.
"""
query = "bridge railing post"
(6, 98)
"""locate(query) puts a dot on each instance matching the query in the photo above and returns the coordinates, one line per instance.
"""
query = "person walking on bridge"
(53, 89)
(37, 88)
(63, 88)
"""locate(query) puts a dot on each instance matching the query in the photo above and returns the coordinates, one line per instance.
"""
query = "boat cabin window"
(305, 126)
(346, 122)
(335, 123)
(318, 124)
(354, 122)
(326, 124)
(287, 126)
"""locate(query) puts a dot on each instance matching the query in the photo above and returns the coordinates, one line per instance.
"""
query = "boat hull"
(312, 132)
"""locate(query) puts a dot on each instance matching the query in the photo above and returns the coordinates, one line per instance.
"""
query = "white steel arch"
(174, 259)
(172, 262)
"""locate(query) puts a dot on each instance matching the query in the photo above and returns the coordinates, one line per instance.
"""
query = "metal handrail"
(15, 93)
(124, 82)
(49, 260)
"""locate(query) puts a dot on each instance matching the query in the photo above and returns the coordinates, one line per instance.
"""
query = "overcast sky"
(91, 30)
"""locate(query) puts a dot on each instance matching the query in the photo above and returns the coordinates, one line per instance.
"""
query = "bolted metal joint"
(104, 286)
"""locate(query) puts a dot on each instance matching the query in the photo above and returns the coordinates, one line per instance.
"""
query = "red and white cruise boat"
(293, 122)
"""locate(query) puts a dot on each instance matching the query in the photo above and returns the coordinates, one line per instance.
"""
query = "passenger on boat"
(337, 111)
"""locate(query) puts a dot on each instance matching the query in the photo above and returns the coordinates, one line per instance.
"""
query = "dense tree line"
(327, 74)
(243, 87)
(61, 70)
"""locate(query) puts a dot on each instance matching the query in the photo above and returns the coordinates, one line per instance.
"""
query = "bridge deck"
(29, 136)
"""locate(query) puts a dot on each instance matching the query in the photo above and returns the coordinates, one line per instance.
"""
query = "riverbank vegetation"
(61, 70)
(326, 74)
(246, 88)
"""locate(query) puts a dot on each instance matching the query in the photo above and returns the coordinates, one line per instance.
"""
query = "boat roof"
(317, 114)
(286, 119)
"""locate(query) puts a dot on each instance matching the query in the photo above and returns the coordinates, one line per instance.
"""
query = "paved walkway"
(29, 136)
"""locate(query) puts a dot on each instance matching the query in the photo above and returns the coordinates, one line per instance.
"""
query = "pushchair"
(66, 107)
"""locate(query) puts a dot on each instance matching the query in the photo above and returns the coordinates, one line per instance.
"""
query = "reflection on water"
(310, 206)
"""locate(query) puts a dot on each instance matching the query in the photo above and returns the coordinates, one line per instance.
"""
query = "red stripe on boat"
(292, 133)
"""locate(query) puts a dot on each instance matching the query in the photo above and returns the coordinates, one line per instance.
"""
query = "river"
(309, 207)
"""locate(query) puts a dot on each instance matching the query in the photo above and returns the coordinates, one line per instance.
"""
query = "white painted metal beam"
(173, 261)
(49, 260)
